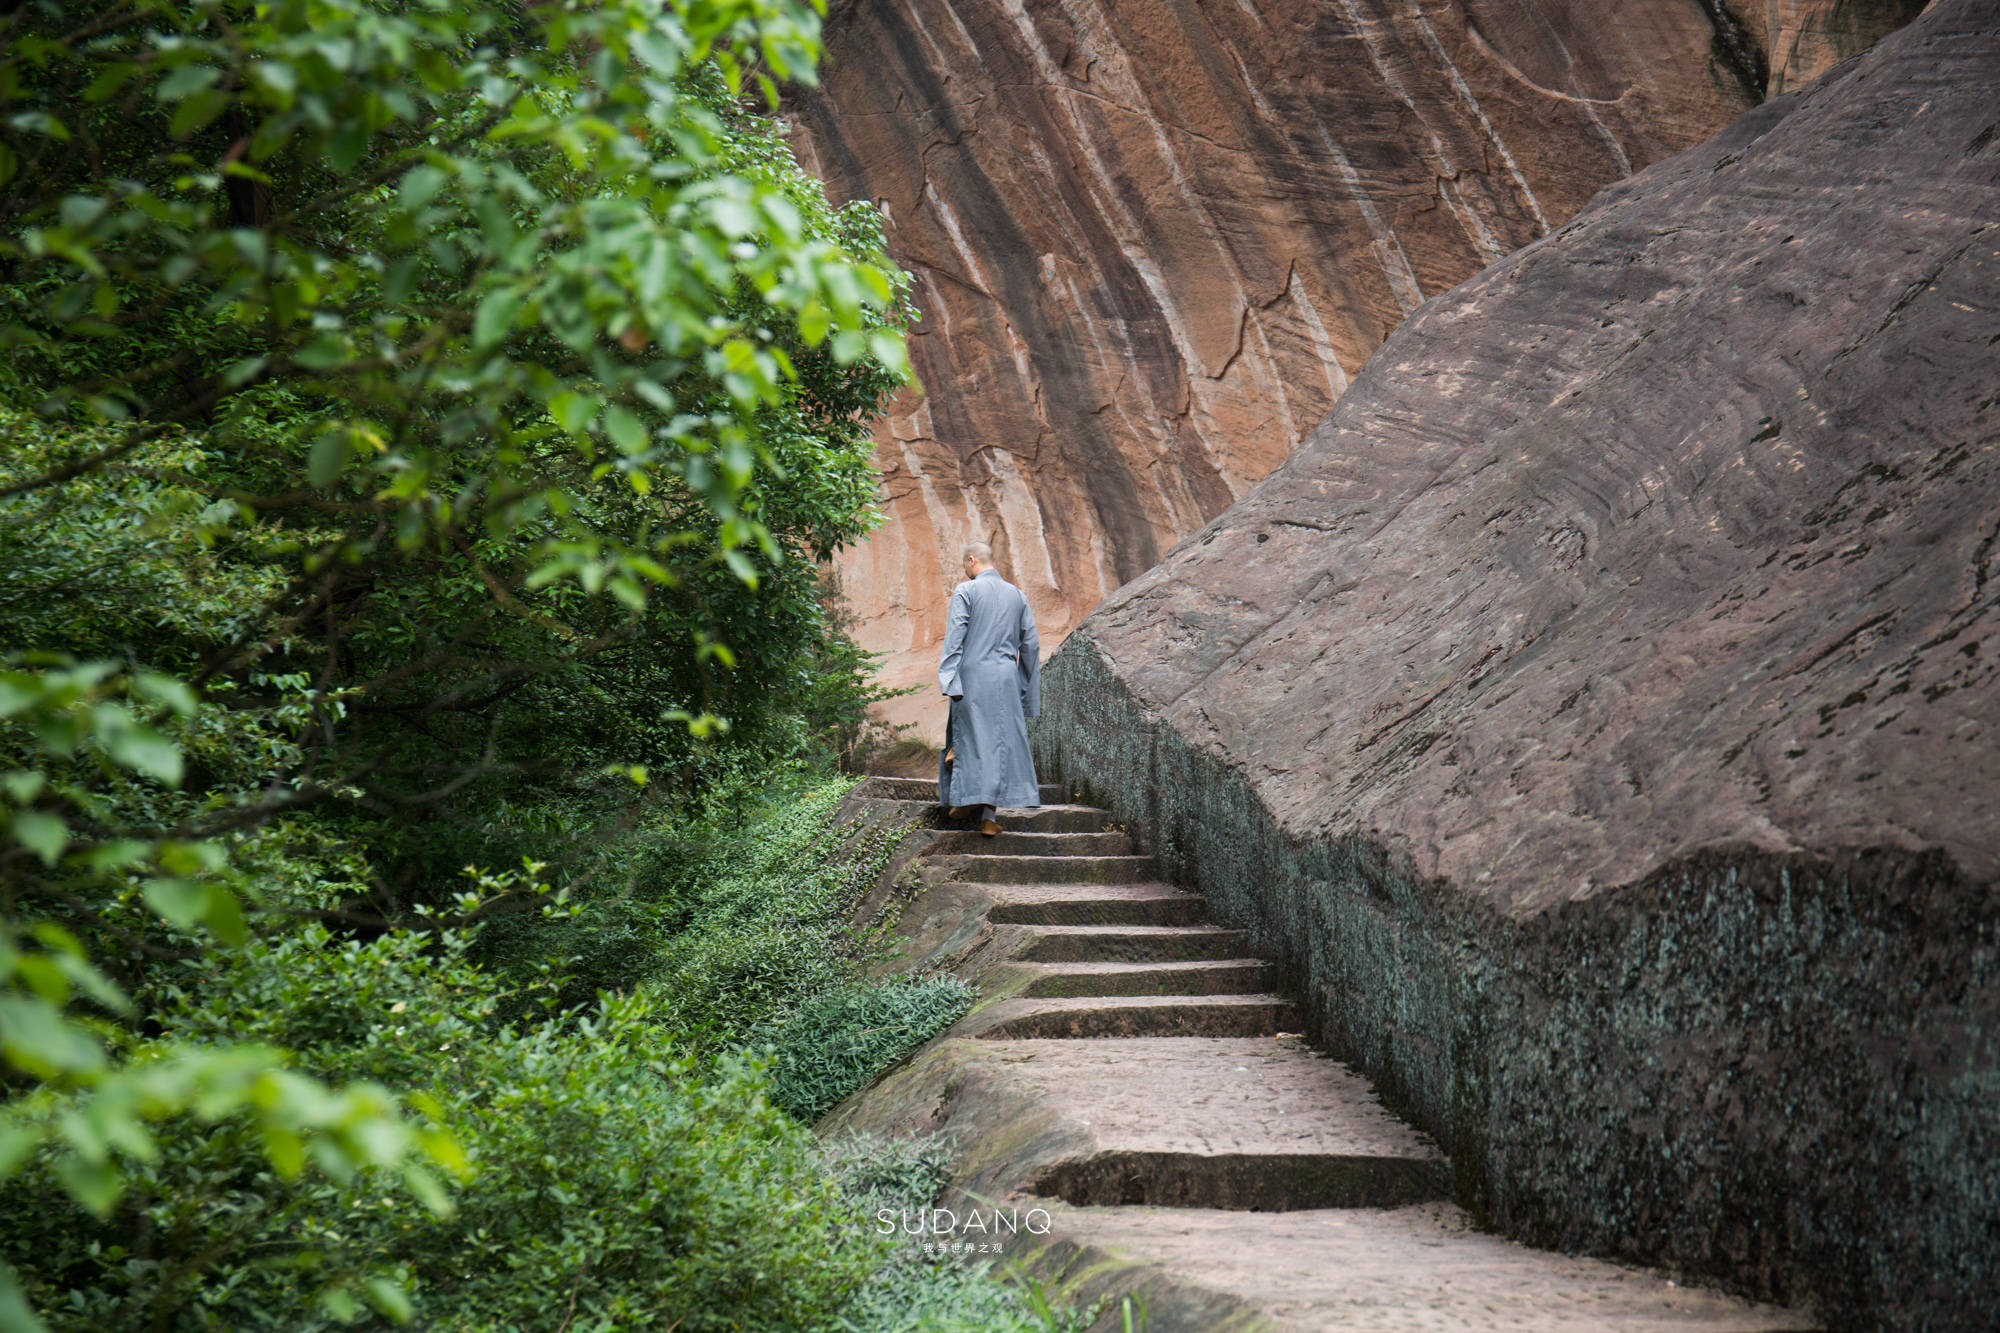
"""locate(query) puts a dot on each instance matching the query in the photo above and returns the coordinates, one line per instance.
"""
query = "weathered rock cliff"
(1779, 45)
(1152, 239)
(1598, 711)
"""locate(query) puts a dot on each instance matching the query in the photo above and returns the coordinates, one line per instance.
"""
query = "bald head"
(978, 556)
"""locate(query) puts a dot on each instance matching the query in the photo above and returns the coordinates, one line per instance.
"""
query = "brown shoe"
(961, 811)
(991, 828)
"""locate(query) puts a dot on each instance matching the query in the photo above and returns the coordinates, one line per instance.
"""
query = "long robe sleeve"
(954, 644)
(1031, 663)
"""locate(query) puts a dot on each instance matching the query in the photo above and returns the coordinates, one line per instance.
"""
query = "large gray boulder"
(1598, 713)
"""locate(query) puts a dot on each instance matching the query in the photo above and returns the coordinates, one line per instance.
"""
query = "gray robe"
(992, 657)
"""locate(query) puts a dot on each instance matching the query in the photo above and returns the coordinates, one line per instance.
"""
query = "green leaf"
(185, 80)
(389, 1300)
(420, 186)
(197, 111)
(888, 348)
(144, 750)
(286, 1151)
(225, 916)
(625, 428)
(244, 371)
(427, 1190)
(628, 592)
(183, 859)
(116, 854)
(167, 692)
(402, 280)
(340, 1303)
(22, 786)
(94, 984)
(56, 939)
(180, 901)
(61, 733)
(44, 978)
(652, 46)
(15, 1316)
(347, 143)
(322, 353)
(280, 79)
(20, 691)
(739, 564)
(732, 216)
(495, 319)
(17, 1140)
(39, 1040)
(329, 458)
(814, 321)
(94, 1184)
(110, 80)
(849, 346)
(574, 411)
(42, 833)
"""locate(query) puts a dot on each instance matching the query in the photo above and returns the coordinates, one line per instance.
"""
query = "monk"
(991, 671)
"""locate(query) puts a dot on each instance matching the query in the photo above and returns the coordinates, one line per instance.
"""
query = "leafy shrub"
(613, 1184)
(902, 1175)
(728, 908)
(911, 1291)
(737, 920)
(642, 1192)
(762, 900)
(840, 1041)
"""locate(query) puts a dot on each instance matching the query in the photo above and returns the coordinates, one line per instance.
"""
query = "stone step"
(998, 869)
(1052, 819)
(1134, 1016)
(1011, 843)
(1228, 976)
(1093, 904)
(1423, 1268)
(1276, 1182)
(1131, 944)
(1219, 1123)
(926, 789)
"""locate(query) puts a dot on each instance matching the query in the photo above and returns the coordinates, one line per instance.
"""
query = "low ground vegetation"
(638, 1160)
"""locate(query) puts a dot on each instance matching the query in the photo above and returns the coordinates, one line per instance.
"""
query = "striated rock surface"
(1152, 239)
(1780, 45)
(1597, 714)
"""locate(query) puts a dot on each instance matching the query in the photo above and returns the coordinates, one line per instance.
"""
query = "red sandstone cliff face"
(1788, 43)
(1152, 239)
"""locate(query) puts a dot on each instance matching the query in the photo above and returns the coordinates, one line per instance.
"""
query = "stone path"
(1131, 1071)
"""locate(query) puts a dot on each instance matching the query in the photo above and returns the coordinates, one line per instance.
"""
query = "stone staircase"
(1132, 1070)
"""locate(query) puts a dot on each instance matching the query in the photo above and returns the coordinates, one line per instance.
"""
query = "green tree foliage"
(418, 425)
(526, 358)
